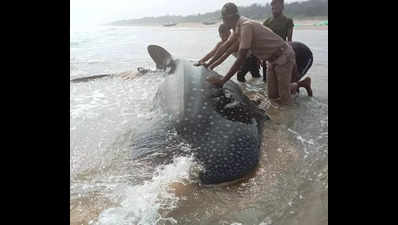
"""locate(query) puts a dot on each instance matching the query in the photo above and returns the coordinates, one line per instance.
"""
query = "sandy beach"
(307, 24)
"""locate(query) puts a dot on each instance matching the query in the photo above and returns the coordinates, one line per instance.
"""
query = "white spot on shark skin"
(267, 221)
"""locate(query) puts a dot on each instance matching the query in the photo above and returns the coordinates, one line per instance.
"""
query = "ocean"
(108, 116)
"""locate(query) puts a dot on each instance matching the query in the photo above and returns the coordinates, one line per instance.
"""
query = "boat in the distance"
(209, 22)
(170, 24)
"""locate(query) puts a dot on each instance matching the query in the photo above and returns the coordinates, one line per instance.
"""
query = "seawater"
(108, 116)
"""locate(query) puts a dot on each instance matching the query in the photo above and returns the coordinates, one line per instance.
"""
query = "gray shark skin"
(221, 124)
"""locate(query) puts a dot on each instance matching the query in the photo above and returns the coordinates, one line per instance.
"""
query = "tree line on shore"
(297, 10)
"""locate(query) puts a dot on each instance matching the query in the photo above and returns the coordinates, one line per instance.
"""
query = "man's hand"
(198, 63)
(215, 81)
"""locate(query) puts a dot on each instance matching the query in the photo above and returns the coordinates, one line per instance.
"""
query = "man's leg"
(284, 68)
(272, 84)
(254, 66)
(304, 57)
(306, 83)
(284, 78)
(243, 71)
(264, 65)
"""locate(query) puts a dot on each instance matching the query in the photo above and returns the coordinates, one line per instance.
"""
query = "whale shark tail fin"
(162, 58)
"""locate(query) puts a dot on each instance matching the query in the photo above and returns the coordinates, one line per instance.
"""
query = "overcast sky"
(102, 11)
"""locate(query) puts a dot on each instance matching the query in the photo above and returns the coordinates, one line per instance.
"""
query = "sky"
(104, 11)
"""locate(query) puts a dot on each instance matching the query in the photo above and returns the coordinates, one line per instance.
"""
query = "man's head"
(224, 32)
(277, 7)
(230, 14)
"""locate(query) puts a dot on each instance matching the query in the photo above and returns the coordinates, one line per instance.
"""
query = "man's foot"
(306, 83)
(293, 88)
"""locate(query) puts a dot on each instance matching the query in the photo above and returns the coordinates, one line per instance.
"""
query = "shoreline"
(299, 24)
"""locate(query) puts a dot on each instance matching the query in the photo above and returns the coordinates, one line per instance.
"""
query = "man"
(224, 33)
(265, 45)
(280, 25)
(252, 64)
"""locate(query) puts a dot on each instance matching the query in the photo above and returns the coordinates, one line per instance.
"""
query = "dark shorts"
(251, 65)
(304, 58)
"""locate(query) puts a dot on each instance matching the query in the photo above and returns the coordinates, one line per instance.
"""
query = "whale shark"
(222, 125)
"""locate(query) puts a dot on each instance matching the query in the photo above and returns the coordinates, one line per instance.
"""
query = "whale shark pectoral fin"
(90, 78)
(162, 58)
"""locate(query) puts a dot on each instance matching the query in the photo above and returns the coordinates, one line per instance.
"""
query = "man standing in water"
(265, 45)
(279, 24)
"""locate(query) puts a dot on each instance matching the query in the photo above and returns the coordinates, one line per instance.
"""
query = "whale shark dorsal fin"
(161, 57)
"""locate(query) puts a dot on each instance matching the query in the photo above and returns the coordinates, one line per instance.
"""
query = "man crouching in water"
(266, 45)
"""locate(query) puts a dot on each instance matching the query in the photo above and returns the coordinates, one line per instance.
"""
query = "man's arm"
(233, 48)
(221, 50)
(235, 67)
(290, 31)
(208, 56)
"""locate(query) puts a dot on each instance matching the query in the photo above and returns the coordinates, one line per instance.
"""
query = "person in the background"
(224, 33)
(283, 27)
(280, 25)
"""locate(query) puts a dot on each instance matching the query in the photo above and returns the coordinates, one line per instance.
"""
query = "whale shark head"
(186, 92)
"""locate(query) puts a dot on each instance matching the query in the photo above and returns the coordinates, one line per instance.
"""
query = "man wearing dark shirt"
(279, 24)
(283, 27)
